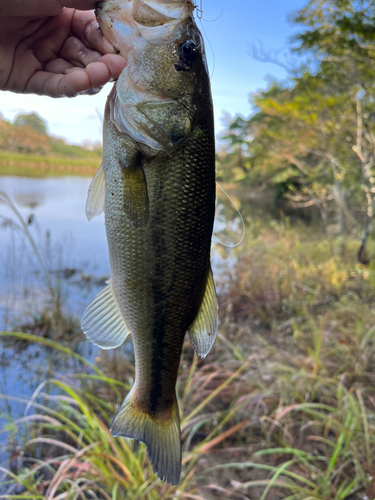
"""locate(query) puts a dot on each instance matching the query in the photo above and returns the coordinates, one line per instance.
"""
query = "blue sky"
(230, 27)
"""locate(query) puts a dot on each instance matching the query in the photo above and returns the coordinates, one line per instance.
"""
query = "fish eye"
(188, 51)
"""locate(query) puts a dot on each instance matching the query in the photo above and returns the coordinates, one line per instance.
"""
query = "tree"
(314, 137)
(341, 35)
(22, 139)
(32, 120)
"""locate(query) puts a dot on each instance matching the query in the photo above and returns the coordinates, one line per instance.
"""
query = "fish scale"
(184, 269)
(156, 186)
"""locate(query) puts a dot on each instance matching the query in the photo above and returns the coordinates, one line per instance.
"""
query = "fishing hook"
(199, 10)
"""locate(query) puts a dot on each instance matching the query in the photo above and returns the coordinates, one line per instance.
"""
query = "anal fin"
(203, 330)
(103, 322)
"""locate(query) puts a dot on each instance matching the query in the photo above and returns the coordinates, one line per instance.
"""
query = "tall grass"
(309, 313)
(282, 408)
(71, 453)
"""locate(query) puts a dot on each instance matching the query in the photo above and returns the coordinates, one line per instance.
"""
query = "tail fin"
(162, 437)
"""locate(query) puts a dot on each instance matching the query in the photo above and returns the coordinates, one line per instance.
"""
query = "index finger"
(86, 28)
(73, 81)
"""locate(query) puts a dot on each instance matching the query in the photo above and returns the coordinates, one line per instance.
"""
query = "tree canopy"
(28, 134)
(32, 120)
(312, 138)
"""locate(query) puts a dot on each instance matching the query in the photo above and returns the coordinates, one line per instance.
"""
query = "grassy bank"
(282, 408)
(39, 166)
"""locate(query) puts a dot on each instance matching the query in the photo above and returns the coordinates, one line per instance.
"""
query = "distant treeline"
(26, 144)
(312, 137)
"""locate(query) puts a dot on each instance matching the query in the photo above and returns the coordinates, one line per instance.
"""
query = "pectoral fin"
(102, 322)
(96, 195)
(135, 192)
(203, 330)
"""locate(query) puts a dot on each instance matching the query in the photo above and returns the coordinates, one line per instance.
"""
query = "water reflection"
(29, 200)
(75, 251)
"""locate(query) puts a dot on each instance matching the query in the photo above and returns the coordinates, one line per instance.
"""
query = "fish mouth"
(122, 21)
(114, 21)
(172, 9)
(111, 5)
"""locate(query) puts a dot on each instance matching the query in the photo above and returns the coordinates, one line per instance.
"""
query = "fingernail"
(91, 91)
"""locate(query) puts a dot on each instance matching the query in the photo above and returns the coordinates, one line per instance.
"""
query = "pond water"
(76, 257)
(75, 251)
(75, 254)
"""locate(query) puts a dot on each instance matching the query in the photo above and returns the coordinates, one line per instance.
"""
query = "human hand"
(47, 49)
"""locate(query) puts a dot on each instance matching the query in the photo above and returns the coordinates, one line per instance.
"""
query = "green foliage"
(313, 139)
(31, 165)
(337, 26)
(26, 144)
(61, 148)
(32, 120)
(307, 315)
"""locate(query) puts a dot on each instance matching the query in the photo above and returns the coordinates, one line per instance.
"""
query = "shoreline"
(39, 166)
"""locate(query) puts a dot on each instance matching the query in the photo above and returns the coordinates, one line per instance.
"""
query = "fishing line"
(200, 17)
(199, 11)
(216, 18)
(212, 51)
(242, 221)
(101, 120)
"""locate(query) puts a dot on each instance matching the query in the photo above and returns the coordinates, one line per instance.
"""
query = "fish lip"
(106, 6)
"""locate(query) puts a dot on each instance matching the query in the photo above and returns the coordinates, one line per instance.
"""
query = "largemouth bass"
(156, 186)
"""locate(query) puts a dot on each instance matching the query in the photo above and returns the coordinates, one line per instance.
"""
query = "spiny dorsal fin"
(96, 195)
(102, 322)
(203, 330)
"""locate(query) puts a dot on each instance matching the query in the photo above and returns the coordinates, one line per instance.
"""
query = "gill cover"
(161, 124)
(154, 101)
